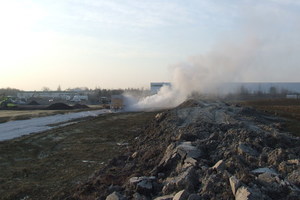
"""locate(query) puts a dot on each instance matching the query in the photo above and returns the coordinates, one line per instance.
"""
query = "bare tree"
(45, 89)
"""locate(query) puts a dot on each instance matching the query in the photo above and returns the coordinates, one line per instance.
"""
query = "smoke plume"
(257, 52)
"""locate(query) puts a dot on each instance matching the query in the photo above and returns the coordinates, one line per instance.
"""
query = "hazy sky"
(129, 43)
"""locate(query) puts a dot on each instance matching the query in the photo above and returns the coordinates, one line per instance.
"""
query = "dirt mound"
(33, 103)
(80, 106)
(203, 150)
(59, 106)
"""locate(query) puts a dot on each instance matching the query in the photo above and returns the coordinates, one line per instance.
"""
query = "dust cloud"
(263, 49)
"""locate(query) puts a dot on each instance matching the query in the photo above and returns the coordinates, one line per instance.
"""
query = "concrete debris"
(244, 193)
(181, 195)
(115, 196)
(220, 165)
(264, 170)
(166, 197)
(234, 183)
(204, 150)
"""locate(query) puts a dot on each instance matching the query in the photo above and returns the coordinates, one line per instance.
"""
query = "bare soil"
(48, 165)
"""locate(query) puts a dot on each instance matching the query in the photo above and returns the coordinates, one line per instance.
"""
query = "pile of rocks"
(204, 150)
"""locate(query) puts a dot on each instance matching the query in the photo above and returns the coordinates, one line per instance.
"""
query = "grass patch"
(47, 165)
(287, 108)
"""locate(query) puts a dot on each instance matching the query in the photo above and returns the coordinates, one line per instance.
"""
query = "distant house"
(155, 86)
(59, 95)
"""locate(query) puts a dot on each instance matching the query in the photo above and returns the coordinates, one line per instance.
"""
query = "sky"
(130, 43)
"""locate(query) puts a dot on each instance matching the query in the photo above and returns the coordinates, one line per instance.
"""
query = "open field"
(47, 165)
(50, 164)
(287, 108)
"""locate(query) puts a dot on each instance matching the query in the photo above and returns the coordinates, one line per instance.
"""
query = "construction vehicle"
(117, 102)
(6, 102)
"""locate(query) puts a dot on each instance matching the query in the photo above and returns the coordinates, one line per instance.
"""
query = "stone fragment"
(137, 196)
(234, 183)
(186, 179)
(268, 179)
(114, 196)
(166, 197)
(188, 150)
(144, 187)
(220, 165)
(245, 149)
(294, 162)
(182, 195)
(134, 155)
(264, 170)
(194, 197)
(114, 188)
(135, 180)
(243, 193)
(294, 177)
(191, 161)
(276, 156)
(170, 157)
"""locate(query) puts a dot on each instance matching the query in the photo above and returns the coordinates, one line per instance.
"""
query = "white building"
(155, 86)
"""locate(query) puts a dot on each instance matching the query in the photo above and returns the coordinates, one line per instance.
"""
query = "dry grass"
(47, 165)
(287, 108)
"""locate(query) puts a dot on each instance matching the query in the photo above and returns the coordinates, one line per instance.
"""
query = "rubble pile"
(203, 150)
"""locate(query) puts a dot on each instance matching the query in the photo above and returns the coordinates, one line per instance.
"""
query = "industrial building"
(155, 86)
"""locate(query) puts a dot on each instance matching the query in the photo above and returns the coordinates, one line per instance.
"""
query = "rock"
(244, 193)
(136, 180)
(186, 149)
(294, 162)
(182, 195)
(185, 180)
(114, 188)
(234, 184)
(194, 197)
(166, 197)
(137, 196)
(269, 179)
(144, 187)
(115, 196)
(220, 165)
(134, 155)
(264, 170)
(294, 177)
(245, 149)
(161, 175)
(191, 161)
(170, 158)
(276, 156)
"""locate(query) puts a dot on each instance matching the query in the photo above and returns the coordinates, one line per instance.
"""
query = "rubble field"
(203, 150)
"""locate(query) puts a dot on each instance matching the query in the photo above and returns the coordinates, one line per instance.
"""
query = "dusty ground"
(47, 165)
